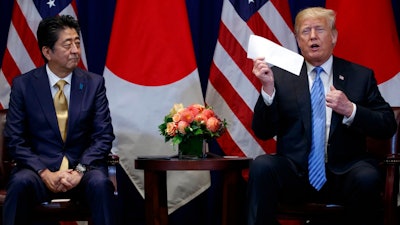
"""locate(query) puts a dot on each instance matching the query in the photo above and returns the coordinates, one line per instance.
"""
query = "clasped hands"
(61, 181)
(335, 99)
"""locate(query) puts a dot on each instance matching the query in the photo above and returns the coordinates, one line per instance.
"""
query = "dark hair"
(49, 29)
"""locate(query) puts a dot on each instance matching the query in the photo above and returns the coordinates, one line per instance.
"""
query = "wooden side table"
(155, 170)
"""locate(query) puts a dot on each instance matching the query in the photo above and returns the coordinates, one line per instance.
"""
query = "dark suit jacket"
(32, 135)
(289, 116)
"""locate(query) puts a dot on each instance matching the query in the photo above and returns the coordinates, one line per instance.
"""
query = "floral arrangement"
(195, 120)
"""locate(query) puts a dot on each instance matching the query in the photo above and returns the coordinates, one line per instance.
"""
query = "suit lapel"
(339, 82)
(304, 101)
(78, 88)
(41, 86)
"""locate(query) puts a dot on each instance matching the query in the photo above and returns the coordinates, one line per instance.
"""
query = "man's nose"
(75, 48)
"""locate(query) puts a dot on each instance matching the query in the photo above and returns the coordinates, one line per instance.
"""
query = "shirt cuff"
(267, 99)
(349, 120)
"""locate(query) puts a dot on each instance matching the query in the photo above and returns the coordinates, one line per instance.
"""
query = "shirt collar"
(327, 66)
(53, 78)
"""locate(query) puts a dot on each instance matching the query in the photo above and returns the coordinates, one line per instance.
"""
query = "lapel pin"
(341, 77)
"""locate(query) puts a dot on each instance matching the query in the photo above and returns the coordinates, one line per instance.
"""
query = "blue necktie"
(316, 162)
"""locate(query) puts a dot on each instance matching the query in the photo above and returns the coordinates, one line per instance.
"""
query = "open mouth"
(314, 46)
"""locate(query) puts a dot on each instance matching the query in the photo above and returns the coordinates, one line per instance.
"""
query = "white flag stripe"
(31, 14)
(235, 76)
(18, 51)
(4, 90)
(390, 90)
(278, 26)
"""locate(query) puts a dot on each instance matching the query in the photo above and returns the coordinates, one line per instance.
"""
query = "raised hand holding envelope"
(274, 54)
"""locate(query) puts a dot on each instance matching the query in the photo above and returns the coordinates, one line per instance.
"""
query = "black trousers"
(26, 189)
(274, 178)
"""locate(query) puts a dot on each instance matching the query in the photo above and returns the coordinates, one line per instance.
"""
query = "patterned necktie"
(316, 163)
(61, 106)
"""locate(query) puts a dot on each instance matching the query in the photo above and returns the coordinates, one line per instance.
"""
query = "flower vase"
(192, 148)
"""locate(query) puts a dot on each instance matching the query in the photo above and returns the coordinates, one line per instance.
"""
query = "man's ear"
(46, 52)
(334, 37)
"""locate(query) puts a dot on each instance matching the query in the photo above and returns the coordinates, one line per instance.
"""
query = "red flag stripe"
(11, 68)
(18, 52)
(282, 7)
(237, 53)
(28, 37)
(258, 26)
(273, 18)
(229, 142)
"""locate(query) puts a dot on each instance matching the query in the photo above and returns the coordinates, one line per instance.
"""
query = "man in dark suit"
(353, 108)
(38, 144)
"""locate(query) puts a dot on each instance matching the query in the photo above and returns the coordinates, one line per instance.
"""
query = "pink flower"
(182, 125)
(186, 115)
(208, 113)
(201, 118)
(196, 108)
(213, 124)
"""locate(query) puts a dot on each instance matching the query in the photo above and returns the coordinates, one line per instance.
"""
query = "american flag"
(22, 53)
(232, 88)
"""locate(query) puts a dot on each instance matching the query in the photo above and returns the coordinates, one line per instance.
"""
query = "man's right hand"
(264, 73)
(52, 180)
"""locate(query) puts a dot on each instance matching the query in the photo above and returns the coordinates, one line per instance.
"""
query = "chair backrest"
(386, 148)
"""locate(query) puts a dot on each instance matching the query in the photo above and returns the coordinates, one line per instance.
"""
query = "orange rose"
(201, 118)
(196, 108)
(208, 113)
(176, 117)
(213, 124)
(171, 129)
(186, 115)
(182, 126)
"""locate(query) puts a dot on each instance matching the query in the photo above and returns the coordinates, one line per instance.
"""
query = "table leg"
(156, 197)
(232, 199)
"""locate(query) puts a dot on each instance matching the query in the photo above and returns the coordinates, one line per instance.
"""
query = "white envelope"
(274, 54)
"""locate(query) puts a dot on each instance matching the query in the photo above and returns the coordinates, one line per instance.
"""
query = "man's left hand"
(338, 102)
(71, 179)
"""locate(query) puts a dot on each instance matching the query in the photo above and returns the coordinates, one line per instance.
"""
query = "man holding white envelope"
(320, 117)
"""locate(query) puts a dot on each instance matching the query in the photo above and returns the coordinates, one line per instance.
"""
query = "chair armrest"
(392, 163)
(112, 159)
(392, 159)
